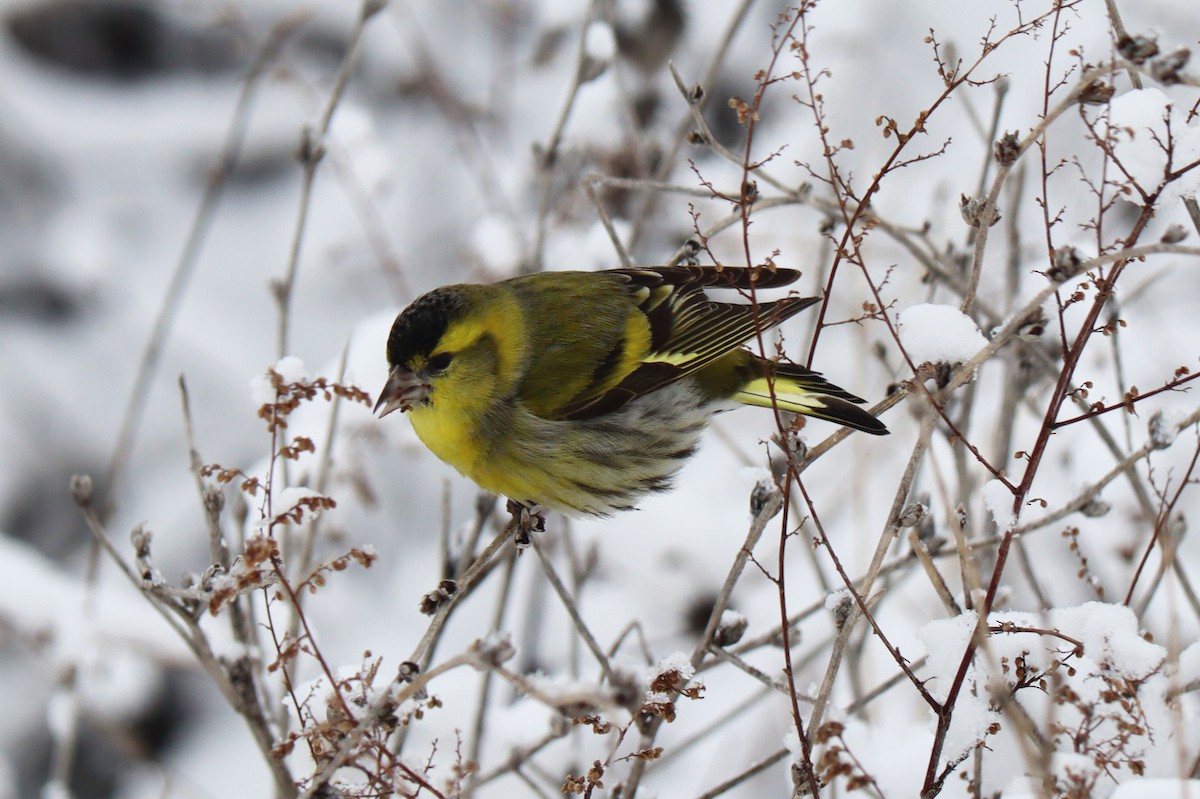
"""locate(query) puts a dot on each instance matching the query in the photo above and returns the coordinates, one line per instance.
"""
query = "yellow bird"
(584, 391)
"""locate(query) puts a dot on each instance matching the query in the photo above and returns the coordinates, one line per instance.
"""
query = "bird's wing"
(687, 330)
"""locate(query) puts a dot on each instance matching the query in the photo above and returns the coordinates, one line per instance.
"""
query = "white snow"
(1139, 121)
(945, 641)
(835, 599)
(730, 618)
(1111, 638)
(62, 714)
(677, 662)
(1157, 788)
(495, 243)
(430, 179)
(998, 499)
(1189, 664)
(939, 334)
(599, 41)
(39, 600)
(1072, 766)
(289, 368)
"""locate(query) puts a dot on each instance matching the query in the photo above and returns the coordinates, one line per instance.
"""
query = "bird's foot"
(529, 517)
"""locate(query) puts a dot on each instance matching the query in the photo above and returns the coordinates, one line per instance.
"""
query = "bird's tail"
(799, 390)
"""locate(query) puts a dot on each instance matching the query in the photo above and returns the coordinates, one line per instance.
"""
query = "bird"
(583, 392)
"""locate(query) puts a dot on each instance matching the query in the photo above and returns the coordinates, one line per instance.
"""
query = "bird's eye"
(439, 362)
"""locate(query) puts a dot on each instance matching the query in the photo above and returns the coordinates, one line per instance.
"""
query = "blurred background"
(152, 205)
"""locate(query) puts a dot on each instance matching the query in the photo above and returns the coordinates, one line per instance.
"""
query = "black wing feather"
(688, 331)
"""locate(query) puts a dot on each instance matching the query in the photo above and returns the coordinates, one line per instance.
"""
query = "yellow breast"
(450, 435)
(456, 439)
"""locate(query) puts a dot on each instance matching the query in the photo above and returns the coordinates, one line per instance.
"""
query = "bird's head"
(453, 346)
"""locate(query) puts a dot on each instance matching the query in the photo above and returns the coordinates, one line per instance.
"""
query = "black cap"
(421, 325)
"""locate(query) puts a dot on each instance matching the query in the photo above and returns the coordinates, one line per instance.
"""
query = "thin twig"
(311, 153)
(568, 603)
(193, 245)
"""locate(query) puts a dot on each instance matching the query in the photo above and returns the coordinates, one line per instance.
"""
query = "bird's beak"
(403, 391)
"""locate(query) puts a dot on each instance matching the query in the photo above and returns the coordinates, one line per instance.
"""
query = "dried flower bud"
(1033, 327)
(311, 149)
(842, 608)
(912, 515)
(1137, 48)
(761, 495)
(431, 602)
(960, 515)
(492, 651)
(792, 448)
(1007, 148)
(691, 252)
(1097, 92)
(140, 539)
(1162, 433)
(926, 531)
(1166, 69)
(1174, 234)
(977, 212)
(1095, 508)
(205, 580)
(214, 500)
(730, 629)
(749, 191)
(626, 687)
(1067, 264)
(81, 489)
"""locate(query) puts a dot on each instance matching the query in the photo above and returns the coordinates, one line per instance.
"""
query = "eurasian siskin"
(583, 391)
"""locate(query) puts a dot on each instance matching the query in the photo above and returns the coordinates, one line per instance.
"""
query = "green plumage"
(582, 391)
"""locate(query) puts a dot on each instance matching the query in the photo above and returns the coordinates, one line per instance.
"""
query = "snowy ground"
(110, 135)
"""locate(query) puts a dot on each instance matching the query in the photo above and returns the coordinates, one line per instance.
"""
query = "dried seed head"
(843, 605)
(762, 493)
(1162, 433)
(1166, 68)
(1007, 148)
(1097, 92)
(1095, 508)
(977, 212)
(81, 489)
(1067, 264)
(912, 515)
(730, 629)
(1033, 327)
(431, 602)
(1137, 48)
(488, 653)
(1174, 234)
(311, 148)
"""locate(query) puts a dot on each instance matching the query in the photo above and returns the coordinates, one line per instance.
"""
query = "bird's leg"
(530, 517)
